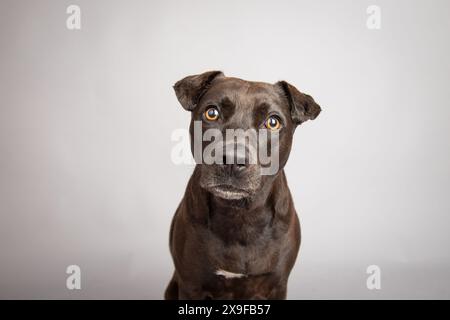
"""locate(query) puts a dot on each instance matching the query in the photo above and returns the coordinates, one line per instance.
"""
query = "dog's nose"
(235, 164)
(235, 160)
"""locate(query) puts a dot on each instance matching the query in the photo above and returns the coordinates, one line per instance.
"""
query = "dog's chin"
(229, 192)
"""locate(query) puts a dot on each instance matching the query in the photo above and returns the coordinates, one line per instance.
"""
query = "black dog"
(236, 234)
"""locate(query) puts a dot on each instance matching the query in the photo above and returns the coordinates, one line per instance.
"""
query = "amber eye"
(211, 114)
(273, 123)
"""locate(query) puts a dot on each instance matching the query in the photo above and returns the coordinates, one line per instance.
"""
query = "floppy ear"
(303, 107)
(189, 90)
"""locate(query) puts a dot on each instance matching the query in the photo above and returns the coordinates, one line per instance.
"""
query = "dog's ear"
(189, 90)
(303, 107)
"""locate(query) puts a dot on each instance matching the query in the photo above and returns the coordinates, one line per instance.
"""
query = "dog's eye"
(273, 123)
(211, 114)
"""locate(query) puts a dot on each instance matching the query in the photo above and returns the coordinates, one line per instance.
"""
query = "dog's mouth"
(228, 192)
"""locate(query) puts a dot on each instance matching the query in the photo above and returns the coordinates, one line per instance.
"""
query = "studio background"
(86, 118)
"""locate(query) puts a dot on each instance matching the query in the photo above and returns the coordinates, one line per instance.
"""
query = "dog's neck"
(240, 220)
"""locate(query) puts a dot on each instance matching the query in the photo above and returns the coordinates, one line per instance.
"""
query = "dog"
(236, 234)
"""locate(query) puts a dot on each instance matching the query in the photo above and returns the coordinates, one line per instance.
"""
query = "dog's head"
(227, 115)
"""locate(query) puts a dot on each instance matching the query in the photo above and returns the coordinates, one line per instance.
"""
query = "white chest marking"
(229, 275)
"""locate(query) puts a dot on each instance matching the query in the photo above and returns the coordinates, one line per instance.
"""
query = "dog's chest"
(240, 259)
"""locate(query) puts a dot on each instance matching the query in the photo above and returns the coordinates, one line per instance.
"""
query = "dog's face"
(246, 109)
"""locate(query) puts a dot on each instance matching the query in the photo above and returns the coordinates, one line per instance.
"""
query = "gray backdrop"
(86, 118)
